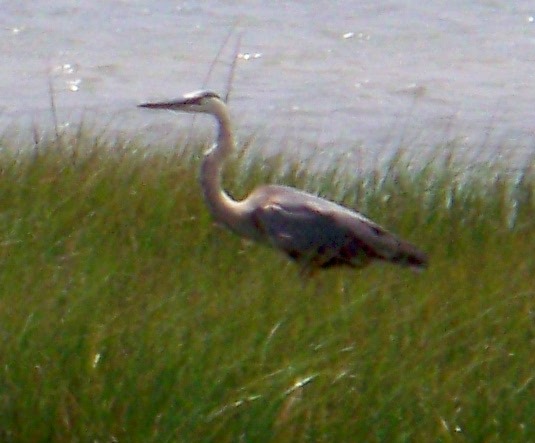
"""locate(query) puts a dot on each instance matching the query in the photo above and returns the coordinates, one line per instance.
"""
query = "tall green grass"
(127, 315)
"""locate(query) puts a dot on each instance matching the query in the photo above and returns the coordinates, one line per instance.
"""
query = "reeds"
(126, 315)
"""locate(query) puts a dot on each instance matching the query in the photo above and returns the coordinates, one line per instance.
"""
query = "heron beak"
(171, 105)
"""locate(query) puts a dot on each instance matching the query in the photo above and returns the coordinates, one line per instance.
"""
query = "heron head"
(198, 101)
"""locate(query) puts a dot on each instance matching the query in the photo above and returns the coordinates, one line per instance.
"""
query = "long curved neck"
(223, 208)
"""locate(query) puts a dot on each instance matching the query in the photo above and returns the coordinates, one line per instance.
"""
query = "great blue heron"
(314, 232)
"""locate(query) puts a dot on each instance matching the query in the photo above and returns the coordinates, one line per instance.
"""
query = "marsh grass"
(127, 315)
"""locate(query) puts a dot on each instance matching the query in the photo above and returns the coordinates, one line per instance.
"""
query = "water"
(330, 76)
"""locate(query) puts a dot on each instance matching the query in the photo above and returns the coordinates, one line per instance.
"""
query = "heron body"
(315, 232)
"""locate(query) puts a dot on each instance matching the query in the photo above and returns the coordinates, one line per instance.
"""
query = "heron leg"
(306, 272)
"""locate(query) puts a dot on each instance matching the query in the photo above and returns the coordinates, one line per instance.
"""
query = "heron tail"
(409, 255)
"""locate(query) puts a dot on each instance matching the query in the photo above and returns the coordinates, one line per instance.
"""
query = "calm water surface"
(329, 76)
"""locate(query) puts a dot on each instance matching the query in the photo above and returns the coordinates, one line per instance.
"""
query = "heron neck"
(223, 208)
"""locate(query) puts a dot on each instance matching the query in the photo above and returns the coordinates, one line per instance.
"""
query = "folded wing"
(320, 233)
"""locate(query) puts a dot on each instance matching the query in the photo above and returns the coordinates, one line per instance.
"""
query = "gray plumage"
(315, 232)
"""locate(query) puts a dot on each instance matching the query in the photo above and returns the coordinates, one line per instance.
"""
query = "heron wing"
(317, 231)
(320, 233)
